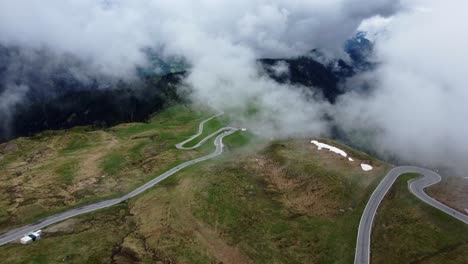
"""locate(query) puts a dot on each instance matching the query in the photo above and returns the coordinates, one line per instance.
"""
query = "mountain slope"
(207, 213)
(262, 201)
(39, 91)
(307, 72)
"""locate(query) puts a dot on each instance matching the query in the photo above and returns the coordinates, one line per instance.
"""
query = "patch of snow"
(244, 129)
(330, 148)
(366, 167)
(350, 159)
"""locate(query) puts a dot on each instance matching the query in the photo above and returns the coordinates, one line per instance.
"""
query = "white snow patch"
(350, 159)
(244, 129)
(366, 167)
(330, 148)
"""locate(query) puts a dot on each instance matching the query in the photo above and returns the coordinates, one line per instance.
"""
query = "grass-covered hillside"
(56, 170)
(262, 201)
(409, 231)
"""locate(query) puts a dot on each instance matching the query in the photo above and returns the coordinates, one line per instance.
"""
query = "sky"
(111, 33)
(415, 109)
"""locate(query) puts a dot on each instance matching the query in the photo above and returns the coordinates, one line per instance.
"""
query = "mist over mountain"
(40, 92)
(411, 85)
(62, 94)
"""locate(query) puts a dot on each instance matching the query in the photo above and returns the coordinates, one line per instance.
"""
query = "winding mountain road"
(362, 255)
(199, 132)
(218, 142)
(416, 187)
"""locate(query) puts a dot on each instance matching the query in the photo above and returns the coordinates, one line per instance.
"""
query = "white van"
(31, 237)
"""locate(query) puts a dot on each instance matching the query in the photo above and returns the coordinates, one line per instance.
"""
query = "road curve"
(17, 233)
(416, 187)
(199, 132)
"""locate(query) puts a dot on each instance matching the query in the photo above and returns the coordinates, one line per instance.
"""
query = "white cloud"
(418, 109)
(111, 33)
(220, 39)
(375, 27)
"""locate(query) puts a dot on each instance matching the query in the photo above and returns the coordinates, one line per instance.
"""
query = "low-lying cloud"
(417, 109)
(12, 95)
(220, 39)
(416, 105)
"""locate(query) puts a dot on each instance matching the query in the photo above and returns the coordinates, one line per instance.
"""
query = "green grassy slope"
(260, 202)
(408, 231)
(56, 170)
(231, 210)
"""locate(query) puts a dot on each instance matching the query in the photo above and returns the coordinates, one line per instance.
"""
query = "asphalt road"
(17, 233)
(200, 131)
(416, 187)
